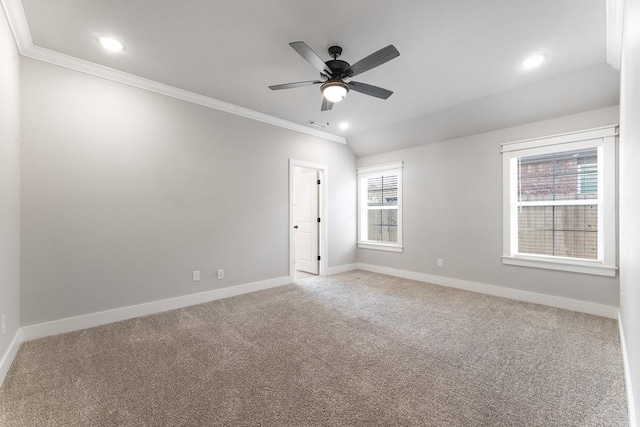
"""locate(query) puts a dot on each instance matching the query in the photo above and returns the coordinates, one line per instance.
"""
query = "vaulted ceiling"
(455, 55)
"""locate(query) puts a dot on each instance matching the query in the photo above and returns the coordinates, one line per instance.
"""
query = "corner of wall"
(9, 194)
(633, 417)
(7, 358)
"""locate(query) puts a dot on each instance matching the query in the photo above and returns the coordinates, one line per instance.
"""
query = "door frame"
(323, 235)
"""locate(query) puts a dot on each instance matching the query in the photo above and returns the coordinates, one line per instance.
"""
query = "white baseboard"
(633, 415)
(77, 323)
(499, 291)
(9, 355)
(341, 269)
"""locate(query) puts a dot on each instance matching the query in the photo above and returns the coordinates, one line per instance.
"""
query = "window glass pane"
(588, 179)
(567, 175)
(383, 190)
(566, 231)
(383, 225)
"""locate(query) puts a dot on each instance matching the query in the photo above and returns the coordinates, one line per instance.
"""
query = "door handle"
(295, 226)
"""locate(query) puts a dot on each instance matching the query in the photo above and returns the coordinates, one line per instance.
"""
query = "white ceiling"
(452, 52)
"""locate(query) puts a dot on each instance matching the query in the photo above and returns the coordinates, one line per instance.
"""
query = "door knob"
(295, 226)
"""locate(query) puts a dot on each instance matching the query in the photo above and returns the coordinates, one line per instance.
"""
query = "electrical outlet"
(440, 262)
(196, 275)
(4, 323)
(221, 273)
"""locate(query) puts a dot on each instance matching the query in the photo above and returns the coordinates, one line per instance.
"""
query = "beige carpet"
(353, 349)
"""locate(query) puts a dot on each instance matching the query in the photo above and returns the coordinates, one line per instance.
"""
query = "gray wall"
(125, 192)
(9, 184)
(630, 191)
(453, 210)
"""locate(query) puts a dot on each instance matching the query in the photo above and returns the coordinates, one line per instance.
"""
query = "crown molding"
(20, 28)
(87, 67)
(18, 23)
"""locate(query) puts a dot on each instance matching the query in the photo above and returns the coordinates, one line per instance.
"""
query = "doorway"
(307, 237)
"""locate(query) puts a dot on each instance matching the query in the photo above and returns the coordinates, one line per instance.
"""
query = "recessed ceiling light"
(111, 44)
(344, 125)
(533, 61)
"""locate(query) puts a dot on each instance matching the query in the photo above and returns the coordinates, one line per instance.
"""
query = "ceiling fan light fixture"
(334, 91)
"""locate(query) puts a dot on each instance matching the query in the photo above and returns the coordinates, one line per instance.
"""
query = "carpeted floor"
(352, 349)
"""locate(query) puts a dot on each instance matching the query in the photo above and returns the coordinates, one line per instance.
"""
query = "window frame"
(604, 139)
(364, 174)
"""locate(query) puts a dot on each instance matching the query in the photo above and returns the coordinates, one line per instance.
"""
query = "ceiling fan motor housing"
(337, 67)
(335, 51)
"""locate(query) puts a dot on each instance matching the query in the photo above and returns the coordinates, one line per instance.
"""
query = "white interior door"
(306, 221)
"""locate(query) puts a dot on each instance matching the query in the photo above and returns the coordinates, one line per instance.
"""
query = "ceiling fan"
(334, 72)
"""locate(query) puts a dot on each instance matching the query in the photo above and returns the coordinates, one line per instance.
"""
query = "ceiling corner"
(18, 24)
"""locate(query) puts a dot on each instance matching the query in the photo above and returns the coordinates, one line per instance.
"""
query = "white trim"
(91, 320)
(608, 239)
(562, 264)
(499, 291)
(562, 138)
(9, 355)
(341, 269)
(555, 148)
(578, 202)
(380, 168)
(633, 415)
(380, 246)
(323, 208)
(18, 24)
(20, 28)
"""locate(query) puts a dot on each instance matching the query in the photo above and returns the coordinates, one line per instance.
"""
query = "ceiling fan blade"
(326, 105)
(294, 85)
(371, 90)
(311, 57)
(377, 58)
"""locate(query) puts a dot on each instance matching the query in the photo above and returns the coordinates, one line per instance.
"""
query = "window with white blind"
(380, 207)
(559, 202)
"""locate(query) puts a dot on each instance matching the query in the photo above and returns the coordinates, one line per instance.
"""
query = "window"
(559, 202)
(380, 207)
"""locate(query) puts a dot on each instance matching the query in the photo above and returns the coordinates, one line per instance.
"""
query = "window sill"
(379, 247)
(586, 267)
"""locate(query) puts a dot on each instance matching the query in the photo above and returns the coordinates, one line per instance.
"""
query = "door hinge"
(318, 219)
(318, 182)
(318, 257)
